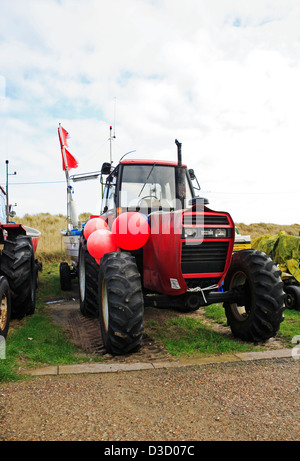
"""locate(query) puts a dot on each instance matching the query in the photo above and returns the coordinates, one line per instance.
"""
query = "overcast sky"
(222, 76)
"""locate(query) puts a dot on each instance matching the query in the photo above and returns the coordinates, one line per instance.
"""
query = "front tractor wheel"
(121, 304)
(254, 275)
(88, 281)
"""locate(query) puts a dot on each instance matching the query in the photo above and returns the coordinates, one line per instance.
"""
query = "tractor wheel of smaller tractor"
(121, 303)
(292, 297)
(18, 265)
(255, 275)
(65, 276)
(5, 306)
(88, 281)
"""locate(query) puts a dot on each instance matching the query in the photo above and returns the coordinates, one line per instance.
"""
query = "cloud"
(220, 76)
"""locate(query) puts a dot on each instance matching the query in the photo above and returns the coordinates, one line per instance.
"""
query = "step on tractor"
(18, 268)
(155, 243)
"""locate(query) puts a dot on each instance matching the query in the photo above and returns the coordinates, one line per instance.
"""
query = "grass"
(187, 336)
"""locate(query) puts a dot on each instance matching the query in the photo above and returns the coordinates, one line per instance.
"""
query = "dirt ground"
(238, 401)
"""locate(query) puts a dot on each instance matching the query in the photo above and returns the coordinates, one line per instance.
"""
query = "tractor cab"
(146, 186)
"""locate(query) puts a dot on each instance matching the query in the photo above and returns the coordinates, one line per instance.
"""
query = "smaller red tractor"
(187, 261)
(18, 268)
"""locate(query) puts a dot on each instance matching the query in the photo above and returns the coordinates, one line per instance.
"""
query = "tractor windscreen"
(150, 186)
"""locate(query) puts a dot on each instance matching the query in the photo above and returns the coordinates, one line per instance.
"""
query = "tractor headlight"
(220, 233)
(189, 232)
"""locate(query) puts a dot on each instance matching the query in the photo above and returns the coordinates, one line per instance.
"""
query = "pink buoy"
(130, 230)
(94, 224)
(101, 242)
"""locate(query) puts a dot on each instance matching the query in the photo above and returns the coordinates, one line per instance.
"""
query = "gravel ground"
(257, 400)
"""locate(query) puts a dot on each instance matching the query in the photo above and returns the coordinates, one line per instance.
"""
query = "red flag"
(71, 161)
(63, 136)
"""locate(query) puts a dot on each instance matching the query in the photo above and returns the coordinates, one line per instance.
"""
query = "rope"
(197, 289)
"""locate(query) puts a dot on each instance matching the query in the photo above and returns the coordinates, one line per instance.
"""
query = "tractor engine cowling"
(187, 250)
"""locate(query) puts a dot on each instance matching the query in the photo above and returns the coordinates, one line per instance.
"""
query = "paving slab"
(102, 368)
(281, 353)
(53, 370)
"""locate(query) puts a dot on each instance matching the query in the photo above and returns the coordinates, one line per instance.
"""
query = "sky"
(221, 76)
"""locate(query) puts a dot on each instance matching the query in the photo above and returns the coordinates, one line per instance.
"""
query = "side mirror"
(192, 174)
(106, 167)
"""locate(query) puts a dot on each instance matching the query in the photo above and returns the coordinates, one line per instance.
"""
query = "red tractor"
(186, 262)
(18, 268)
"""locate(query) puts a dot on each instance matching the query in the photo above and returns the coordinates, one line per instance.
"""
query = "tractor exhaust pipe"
(180, 177)
(178, 144)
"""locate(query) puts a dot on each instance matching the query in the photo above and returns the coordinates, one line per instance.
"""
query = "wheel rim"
(104, 305)
(3, 311)
(82, 276)
(241, 313)
(289, 301)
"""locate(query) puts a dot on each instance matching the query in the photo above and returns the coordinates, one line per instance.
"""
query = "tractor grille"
(207, 257)
(192, 219)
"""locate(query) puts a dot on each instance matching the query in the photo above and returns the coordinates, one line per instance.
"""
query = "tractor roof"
(148, 162)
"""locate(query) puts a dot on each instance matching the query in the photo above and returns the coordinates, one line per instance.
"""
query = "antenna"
(115, 105)
(7, 199)
(112, 136)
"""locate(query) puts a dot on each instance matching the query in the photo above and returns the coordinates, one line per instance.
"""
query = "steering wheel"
(147, 196)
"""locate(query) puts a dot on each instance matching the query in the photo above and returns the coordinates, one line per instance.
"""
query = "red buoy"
(130, 230)
(101, 242)
(94, 224)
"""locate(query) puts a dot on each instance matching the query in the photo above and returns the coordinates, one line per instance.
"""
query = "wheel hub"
(239, 281)
(3, 311)
(104, 305)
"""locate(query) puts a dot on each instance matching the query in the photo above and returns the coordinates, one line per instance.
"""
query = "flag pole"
(69, 192)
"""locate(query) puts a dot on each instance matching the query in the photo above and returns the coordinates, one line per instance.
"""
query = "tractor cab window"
(149, 187)
(108, 202)
(2, 206)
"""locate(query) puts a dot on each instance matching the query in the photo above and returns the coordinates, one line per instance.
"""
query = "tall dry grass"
(50, 248)
(258, 229)
(50, 244)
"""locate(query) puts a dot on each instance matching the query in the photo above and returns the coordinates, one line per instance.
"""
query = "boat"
(241, 242)
(71, 243)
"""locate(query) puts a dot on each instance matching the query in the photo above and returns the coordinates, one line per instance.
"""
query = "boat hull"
(71, 245)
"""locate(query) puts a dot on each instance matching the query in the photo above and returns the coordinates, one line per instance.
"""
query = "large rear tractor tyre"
(121, 303)
(18, 265)
(88, 270)
(5, 306)
(256, 275)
